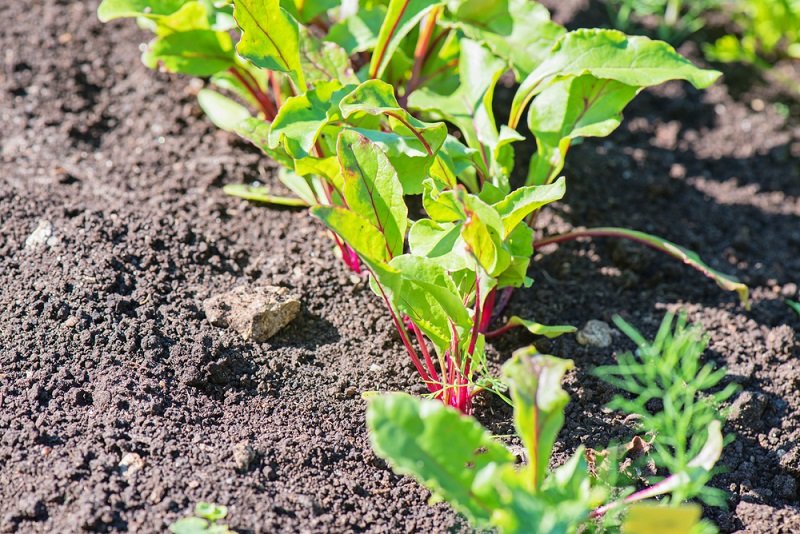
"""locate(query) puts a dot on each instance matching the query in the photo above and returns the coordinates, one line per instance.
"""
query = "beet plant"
(593, 491)
(365, 104)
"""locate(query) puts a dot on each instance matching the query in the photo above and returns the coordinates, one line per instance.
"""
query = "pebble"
(130, 464)
(42, 235)
(243, 455)
(595, 334)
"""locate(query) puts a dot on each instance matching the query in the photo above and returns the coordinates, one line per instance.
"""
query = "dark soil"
(105, 350)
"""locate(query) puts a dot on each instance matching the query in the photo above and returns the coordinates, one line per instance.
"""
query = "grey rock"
(595, 334)
(243, 455)
(256, 312)
(42, 235)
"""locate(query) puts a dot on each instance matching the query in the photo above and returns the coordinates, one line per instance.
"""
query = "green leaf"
(406, 153)
(401, 17)
(538, 329)
(539, 402)
(576, 107)
(324, 61)
(435, 444)
(196, 52)
(519, 244)
(190, 525)
(687, 256)
(525, 200)
(440, 242)
(482, 230)
(302, 118)
(191, 16)
(372, 188)
(609, 54)
(794, 305)
(411, 146)
(359, 31)
(519, 31)
(210, 511)
(270, 38)
(224, 112)
(358, 232)
(116, 9)
(429, 296)
(470, 109)
(262, 194)
(442, 205)
(307, 10)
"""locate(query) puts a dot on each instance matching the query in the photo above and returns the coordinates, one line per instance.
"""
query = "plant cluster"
(768, 31)
(765, 31)
(590, 492)
(676, 19)
(205, 520)
(364, 104)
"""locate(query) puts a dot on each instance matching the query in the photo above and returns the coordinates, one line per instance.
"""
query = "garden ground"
(114, 228)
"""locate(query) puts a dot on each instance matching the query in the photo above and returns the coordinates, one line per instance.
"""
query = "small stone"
(255, 312)
(269, 473)
(351, 392)
(71, 321)
(748, 408)
(595, 334)
(789, 290)
(130, 464)
(42, 235)
(243, 456)
(375, 368)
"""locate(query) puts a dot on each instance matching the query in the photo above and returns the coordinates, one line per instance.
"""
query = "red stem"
(424, 348)
(432, 386)
(500, 331)
(276, 89)
(576, 234)
(488, 309)
(476, 320)
(267, 107)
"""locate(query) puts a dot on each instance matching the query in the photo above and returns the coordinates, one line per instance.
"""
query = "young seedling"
(677, 19)
(204, 521)
(770, 31)
(353, 104)
(794, 305)
(478, 476)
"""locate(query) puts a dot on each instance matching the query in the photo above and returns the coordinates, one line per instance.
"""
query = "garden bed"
(105, 350)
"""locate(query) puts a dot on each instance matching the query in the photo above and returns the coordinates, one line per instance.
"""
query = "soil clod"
(256, 312)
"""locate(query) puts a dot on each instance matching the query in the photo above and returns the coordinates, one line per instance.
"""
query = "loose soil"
(105, 351)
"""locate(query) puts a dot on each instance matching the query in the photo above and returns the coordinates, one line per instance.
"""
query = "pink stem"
(424, 348)
(488, 308)
(432, 386)
(500, 331)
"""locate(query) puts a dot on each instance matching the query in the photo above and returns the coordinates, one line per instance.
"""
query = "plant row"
(365, 105)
